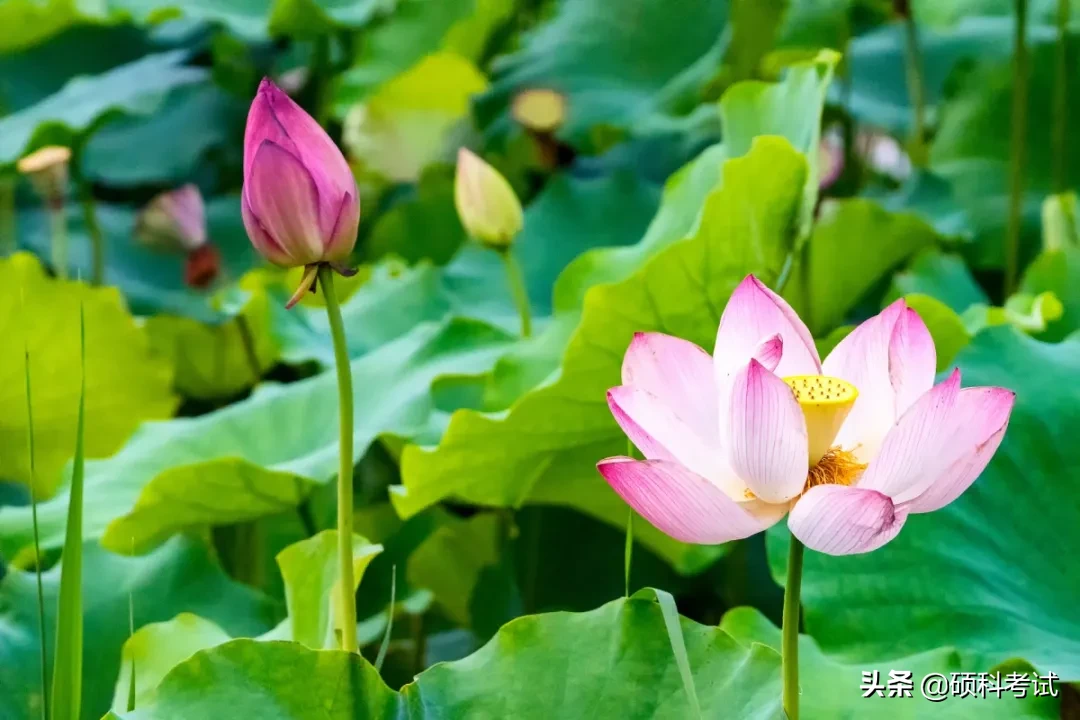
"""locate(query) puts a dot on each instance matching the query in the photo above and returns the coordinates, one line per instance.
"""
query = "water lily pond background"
(855, 151)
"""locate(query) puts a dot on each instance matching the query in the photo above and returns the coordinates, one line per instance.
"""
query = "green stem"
(93, 228)
(58, 236)
(1019, 135)
(1061, 98)
(38, 565)
(789, 656)
(516, 279)
(916, 89)
(345, 466)
(8, 236)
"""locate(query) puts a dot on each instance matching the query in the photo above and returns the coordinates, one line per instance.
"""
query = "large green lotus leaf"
(753, 27)
(261, 455)
(854, 244)
(931, 12)
(816, 24)
(546, 448)
(312, 586)
(418, 28)
(67, 116)
(405, 125)
(1057, 271)
(878, 88)
(972, 145)
(178, 577)
(31, 75)
(423, 225)
(942, 276)
(616, 661)
(309, 569)
(157, 648)
(391, 302)
(831, 688)
(616, 68)
(984, 574)
(151, 282)
(28, 22)
(168, 146)
(214, 361)
(571, 214)
(449, 562)
(790, 108)
(975, 123)
(125, 383)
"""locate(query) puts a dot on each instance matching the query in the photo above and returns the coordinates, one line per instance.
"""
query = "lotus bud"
(173, 221)
(486, 203)
(300, 202)
(47, 170)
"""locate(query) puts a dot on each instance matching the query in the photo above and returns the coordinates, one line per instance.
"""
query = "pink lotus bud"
(173, 221)
(300, 202)
(47, 169)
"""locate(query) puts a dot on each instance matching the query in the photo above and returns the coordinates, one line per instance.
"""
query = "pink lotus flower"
(850, 447)
(300, 202)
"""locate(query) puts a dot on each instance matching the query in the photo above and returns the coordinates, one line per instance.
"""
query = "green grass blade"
(385, 644)
(37, 544)
(678, 647)
(67, 672)
(131, 632)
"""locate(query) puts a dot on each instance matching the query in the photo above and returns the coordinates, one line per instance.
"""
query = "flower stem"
(93, 228)
(790, 643)
(58, 237)
(517, 287)
(916, 88)
(1016, 160)
(1061, 98)
(345, 467)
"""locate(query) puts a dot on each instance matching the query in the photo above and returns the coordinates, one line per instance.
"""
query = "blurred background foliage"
(702, 140)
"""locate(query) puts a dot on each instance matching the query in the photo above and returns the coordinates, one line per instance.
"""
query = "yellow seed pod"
(539, 109)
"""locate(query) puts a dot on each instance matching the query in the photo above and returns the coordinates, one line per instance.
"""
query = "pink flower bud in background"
(47, 170)
(173, 221)
(300, 202)
(486, 204)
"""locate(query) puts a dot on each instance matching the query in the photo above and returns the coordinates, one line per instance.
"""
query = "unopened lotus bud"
(47, 170)
(488, 208)
(173, 221)
(300, 203)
